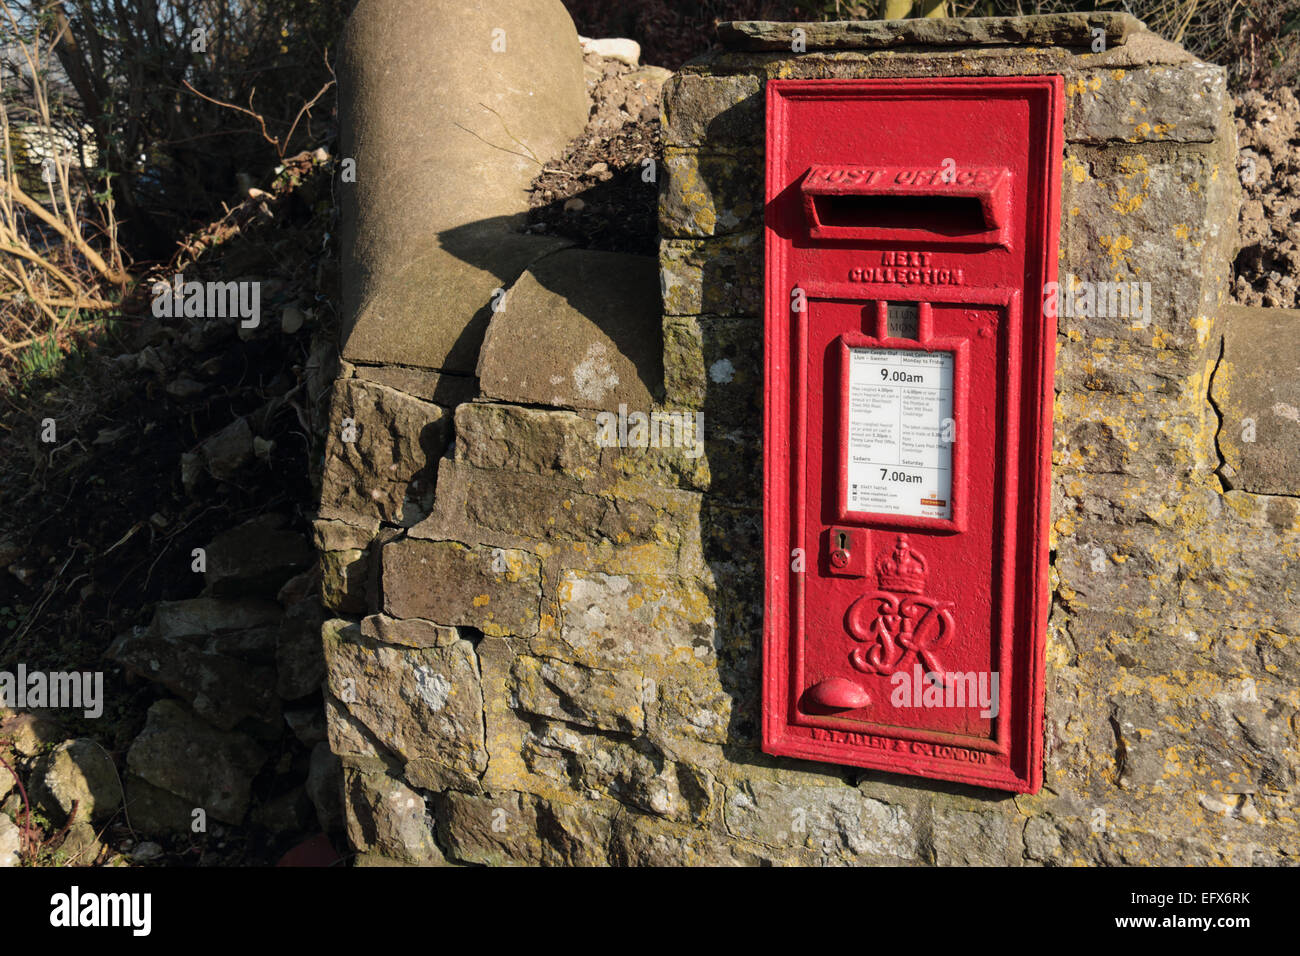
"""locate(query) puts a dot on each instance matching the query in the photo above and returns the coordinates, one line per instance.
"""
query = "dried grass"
(57, 267)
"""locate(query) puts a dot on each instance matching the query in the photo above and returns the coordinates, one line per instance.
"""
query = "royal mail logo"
(899, 625)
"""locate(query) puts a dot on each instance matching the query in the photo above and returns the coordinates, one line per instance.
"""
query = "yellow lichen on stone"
(1080, 86)
(1116, 246)
(1202, 324)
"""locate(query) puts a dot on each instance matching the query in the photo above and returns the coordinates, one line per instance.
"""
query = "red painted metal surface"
(911, 227)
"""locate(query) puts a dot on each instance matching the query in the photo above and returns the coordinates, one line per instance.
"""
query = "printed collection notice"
(901, 432)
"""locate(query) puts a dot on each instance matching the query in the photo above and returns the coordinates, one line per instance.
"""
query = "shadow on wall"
(554, 308)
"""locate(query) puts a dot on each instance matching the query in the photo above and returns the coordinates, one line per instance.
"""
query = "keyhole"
(842, 541)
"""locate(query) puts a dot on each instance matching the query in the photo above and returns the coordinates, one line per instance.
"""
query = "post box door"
(911, 226)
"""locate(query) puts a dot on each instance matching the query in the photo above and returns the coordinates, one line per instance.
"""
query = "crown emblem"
(904, 570)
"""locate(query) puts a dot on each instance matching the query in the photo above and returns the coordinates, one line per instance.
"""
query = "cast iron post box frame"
(873, 199)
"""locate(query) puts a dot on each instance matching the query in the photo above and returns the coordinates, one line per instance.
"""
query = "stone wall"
(547, 648)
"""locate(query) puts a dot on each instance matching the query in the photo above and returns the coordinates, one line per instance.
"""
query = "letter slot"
(940, 204)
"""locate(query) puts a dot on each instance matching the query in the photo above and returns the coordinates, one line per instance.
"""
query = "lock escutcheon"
(845, 551)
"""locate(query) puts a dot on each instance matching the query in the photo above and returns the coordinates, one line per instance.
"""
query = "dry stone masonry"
(545, 646)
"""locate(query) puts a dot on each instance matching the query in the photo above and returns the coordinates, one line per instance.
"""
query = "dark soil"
(1268, 265)
(602, 192)
(595, 194)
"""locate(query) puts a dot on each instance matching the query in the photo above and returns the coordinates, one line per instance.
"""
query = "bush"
(129, 70)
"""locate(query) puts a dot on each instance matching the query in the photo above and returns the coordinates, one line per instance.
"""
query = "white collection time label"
(901, 432)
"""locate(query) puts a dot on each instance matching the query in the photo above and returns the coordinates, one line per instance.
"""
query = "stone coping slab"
(1053, 29)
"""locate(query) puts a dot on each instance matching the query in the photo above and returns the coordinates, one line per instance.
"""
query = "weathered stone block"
(325, 787)
(254, 559)
(381, 455)
(614, 621)
(442, 388)
(344, 575)
(339, 536)
(1130, 569)
(540, 510)
(638, 839)
(418, 703)
(1250, 576)
(1256, 389)
(216, 654)
(515, 828)
(1158, 219)
(347, 736)
(694, 704)
(579, 330)
(1236, 747)
(78, 774)
(493, 589)
(1131, 434)
(1186, 104)
(604, 699)
(408, 633)
(212, 769)
(584, 450)
(710, 194)
(721, 276)
(530, 440)
(1122, 500)
(506, 728)
(1096, 364)
(299, 661)
(970, 838)
(532, 506)
(1056, 29)
(718, 110)
(833, 820)
(387, 817)
(156, 811)
(1041, 839)
(716, 364)
(632, 772)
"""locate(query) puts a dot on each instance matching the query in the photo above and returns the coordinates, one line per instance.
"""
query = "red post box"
(911, 227)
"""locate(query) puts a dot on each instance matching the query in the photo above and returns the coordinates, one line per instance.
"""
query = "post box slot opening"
(948, 215)
(963, 204)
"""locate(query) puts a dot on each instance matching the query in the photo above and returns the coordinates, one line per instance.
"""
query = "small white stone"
(145, 852)
(615, 48)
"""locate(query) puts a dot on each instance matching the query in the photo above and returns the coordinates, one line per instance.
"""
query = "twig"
(114, 276)
(238, 109)
(516, 139)
(261, 120)
(306, 108)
